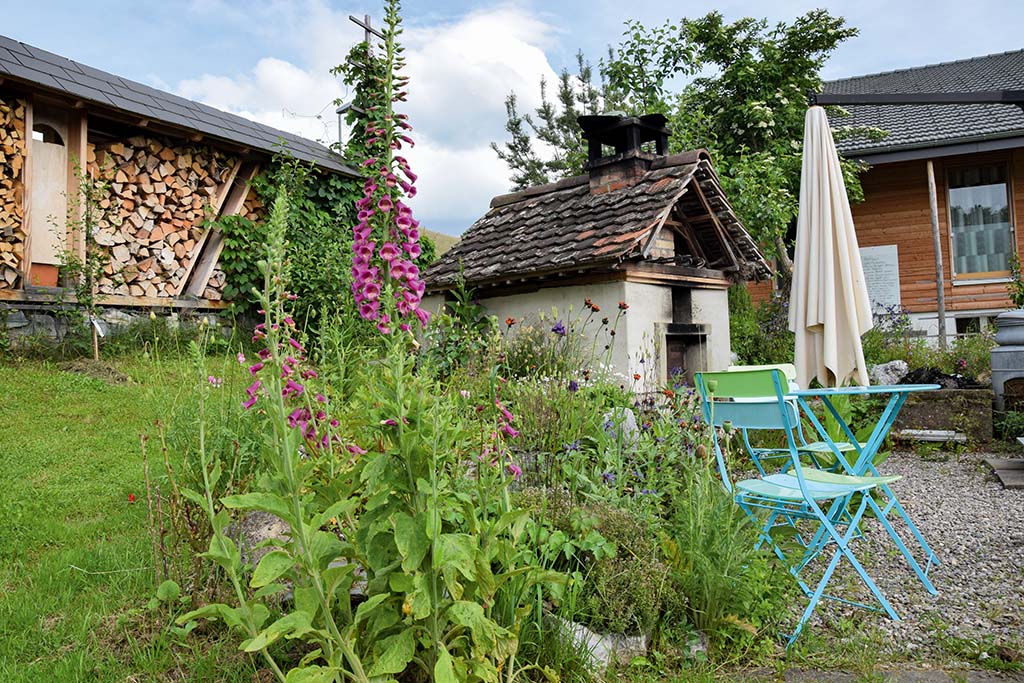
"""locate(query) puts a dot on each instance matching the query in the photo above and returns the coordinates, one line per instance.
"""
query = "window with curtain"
(979, 219)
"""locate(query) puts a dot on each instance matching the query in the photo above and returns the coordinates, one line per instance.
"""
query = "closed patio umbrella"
(829, 308)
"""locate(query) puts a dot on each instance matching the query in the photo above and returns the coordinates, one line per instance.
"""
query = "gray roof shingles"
(562, 227)
(33, 65)
(923, 126)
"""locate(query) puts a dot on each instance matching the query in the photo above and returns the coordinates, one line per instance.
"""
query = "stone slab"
(1010, 472)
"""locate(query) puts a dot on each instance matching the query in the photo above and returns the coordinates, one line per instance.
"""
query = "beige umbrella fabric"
(829, 308)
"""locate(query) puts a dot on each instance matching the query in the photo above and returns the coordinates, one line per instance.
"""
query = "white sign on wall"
(882, 275)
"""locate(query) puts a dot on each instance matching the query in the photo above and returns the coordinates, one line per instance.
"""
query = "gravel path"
(977, 529)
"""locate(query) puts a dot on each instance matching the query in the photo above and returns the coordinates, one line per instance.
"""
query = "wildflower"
(595, 308)
(669, 393)
(623, 306)
(250, 403)
(131, 497)
(510, 321)
(574, 386)
(255, 368)
(604, 321)
(636, 376)
(608, 477)
(463, 393)
(215, 382)
(292, 387)
(515, 470)
(241, 358)
(573, 446)
(559, 328)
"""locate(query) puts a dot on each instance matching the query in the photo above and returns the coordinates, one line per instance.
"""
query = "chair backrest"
(749, 399)
(726, 397)
(787, 369)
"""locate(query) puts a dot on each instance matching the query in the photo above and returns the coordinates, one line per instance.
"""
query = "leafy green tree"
(745, 103)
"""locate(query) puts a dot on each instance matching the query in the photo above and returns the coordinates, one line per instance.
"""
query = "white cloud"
(460, 73)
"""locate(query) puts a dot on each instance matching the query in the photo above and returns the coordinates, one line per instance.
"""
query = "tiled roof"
(921, 126)
(32, 65)
(562, 228)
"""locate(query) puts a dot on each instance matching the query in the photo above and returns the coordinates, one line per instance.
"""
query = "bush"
(760, 335)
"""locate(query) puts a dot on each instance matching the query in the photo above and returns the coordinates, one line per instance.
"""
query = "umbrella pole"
(940, 285)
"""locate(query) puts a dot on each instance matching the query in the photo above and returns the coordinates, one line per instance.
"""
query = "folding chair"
(785, 498)
(820, 453)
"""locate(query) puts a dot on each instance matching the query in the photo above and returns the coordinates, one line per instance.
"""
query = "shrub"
(760, 335)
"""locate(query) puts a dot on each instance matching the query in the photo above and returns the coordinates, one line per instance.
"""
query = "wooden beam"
(653, 238)
(719, 229)
(206, 255)
(50, 296)
(26, 197)
(940, 284)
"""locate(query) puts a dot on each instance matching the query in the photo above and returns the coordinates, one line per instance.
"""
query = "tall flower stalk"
(385, 280)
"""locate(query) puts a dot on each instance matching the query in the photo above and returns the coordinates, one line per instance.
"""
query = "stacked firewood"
(12, 209)
(159, 195)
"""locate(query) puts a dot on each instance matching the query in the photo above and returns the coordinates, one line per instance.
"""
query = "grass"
(75, 564)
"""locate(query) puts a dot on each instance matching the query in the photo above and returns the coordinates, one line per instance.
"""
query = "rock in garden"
(601, 650)
(255, 528)
(889, 373)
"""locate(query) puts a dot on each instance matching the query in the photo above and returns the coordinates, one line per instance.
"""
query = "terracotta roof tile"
(562, 226)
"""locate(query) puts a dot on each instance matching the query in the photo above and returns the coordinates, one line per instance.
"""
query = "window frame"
(986, 277)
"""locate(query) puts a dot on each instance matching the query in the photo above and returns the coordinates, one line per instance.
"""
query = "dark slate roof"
(922, 126)
(34, 66)
(562, 228)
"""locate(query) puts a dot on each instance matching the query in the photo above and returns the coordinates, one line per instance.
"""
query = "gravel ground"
(977, 530)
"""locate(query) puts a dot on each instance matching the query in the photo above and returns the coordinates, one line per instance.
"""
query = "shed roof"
(922, 126)
(37, 67)
(563, 228)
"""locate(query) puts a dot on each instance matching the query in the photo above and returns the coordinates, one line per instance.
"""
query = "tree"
(745, 104)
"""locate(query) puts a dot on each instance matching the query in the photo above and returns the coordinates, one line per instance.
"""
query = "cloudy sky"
(269, 60)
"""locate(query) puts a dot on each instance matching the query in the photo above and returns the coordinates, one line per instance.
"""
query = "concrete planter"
(967, 411)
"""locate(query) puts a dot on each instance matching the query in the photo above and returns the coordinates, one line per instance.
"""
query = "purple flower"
(515, 470)
(559, 328)
(574, 386)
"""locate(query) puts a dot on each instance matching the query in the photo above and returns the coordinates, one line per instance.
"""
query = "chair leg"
(842, 550)
(922, 574)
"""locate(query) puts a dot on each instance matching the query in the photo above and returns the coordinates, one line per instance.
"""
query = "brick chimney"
(615, 155)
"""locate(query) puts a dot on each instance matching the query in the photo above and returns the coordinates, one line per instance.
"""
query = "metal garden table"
(864, 464)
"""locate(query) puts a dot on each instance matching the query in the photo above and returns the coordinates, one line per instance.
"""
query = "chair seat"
(786, 487)
(825, 477)
(824, 447)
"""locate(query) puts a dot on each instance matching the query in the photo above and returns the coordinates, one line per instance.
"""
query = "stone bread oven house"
(169, 164)
(652, 230)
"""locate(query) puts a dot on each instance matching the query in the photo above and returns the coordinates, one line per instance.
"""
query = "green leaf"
(168, 591)
(396, 653)
(291, 625)
(338, 509)
(228, 615)
(196, 497)
(268, 502)
(311, 674)
(271, 566)
(365, 609)
(444, 672)
(411, 539)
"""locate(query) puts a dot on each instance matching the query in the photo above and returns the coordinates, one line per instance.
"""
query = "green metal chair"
(781, 499)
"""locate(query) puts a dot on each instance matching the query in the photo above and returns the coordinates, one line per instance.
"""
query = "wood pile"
(159, 194)
(12, 209)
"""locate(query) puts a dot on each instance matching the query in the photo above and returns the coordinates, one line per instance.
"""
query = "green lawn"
(75, 561)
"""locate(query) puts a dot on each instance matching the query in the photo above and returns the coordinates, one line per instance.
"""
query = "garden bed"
(965, 411)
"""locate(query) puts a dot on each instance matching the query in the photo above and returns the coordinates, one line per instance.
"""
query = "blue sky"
(268, 59)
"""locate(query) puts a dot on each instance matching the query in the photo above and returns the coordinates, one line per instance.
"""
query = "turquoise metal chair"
(819, 453)
(777, 500)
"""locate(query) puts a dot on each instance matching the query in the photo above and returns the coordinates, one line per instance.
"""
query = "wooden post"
(940, 284)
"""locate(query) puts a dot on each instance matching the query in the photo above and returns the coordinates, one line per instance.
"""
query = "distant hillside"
(442, 241)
